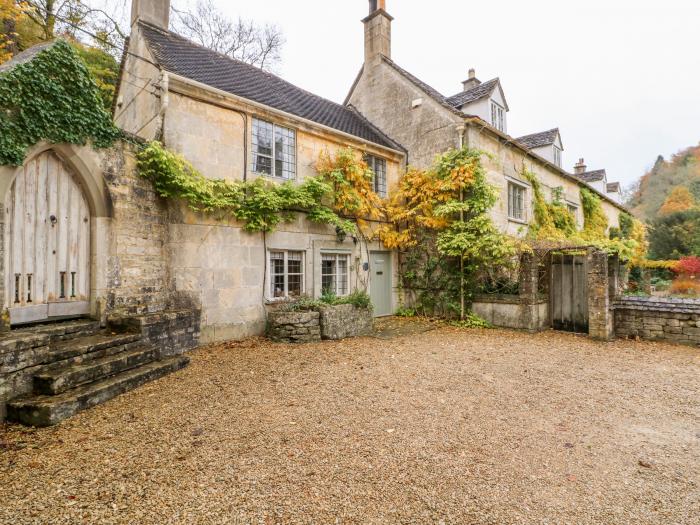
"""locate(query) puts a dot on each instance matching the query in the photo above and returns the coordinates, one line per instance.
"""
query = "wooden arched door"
(47, 243)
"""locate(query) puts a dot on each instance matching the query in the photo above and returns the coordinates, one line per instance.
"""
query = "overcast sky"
(620, 78)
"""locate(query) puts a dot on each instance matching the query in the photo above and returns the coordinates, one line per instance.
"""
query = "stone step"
(62, 379)
(92, 346)
(63, 330)
(43, 411)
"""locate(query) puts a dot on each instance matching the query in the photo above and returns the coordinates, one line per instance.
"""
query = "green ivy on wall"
(260, 205)
(54, 98)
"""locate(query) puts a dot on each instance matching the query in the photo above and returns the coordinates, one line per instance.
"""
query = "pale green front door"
(380, 282)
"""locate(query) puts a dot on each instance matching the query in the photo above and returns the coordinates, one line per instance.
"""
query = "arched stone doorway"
(46, 242)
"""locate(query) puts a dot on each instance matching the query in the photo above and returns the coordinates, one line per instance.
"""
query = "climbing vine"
(260, 205)
(52, 98)
(553, 220)
(553, 224)
(441, 216)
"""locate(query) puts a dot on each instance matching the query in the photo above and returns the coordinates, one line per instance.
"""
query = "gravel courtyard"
(447, 426)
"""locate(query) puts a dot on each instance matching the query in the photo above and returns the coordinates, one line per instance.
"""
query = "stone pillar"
(529, 280)
(614, 286)
(600, 319)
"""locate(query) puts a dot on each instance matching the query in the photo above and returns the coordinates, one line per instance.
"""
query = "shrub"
(406, 312)
(359, 299)
(686, 286)
(689, 266)
(471, 320)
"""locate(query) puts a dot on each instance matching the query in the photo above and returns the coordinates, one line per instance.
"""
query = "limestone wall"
(507, 163)
(225, 268)
(385, 97)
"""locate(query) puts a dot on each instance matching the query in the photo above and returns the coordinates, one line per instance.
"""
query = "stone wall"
(294, 327)
(510, 311)
(136, 272)
(344, 320)
(173, 332)
(658, 319)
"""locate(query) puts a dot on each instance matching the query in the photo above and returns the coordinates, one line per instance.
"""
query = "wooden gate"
(47, 243)
(569, 293)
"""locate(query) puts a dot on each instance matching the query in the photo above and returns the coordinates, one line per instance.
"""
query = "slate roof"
(614, 187)
(592, 176)
(538, 140)
(187, 59)
(483, 90)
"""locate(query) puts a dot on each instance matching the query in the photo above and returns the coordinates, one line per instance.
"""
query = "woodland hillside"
(667, 198)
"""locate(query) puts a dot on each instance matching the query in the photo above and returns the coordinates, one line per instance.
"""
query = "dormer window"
(498, 116)
(557, 156)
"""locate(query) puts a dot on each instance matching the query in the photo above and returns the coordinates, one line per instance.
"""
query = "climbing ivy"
(260, 205)
(553, 224)
(51, 97)
(441, 217)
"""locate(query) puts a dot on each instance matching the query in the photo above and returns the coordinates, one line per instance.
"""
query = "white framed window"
(378, 167)
(286, 274)
(335, 273)
(498, 116)
(516, 201)
(573, 209)
(274, 150)
(557, 156)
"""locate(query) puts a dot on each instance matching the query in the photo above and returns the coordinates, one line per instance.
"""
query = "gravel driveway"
(448, 426)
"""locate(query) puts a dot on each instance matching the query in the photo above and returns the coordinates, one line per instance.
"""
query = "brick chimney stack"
(377, 32)
(580, 167)
(472, 81)
(156, 12)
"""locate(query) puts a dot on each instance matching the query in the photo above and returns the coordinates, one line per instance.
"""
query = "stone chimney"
(580, 167)
(156, 12)
(377, 32)
(472, 81)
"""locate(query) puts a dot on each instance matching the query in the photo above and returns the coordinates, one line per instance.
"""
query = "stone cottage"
(234, 121)
(427, 123)
(85, 237)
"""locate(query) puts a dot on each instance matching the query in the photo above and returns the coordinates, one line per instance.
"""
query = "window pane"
(262, 146)
(285, 152)
(295, 285)
(342, 278)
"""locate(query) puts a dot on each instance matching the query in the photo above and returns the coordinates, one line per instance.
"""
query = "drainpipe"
(461, 130)
(164, 100)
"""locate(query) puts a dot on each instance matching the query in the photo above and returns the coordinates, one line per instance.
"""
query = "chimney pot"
(472, 74)
(580, 167)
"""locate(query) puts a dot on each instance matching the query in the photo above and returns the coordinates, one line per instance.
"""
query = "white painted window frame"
(498, 116)
(269, 293)
(524, 187)
(336, 274)
(557, 155)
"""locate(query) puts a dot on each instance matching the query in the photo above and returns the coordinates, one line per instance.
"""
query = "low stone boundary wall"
(658, 319)
(344, 320)
(294, 327)
(511, 311)
(173, 332)
(328, 322)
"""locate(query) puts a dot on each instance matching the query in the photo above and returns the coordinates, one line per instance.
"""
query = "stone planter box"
(294, 327)
(329, 322)
(344, 320)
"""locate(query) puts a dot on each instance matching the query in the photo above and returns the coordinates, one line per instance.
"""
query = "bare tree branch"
(241, 39)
